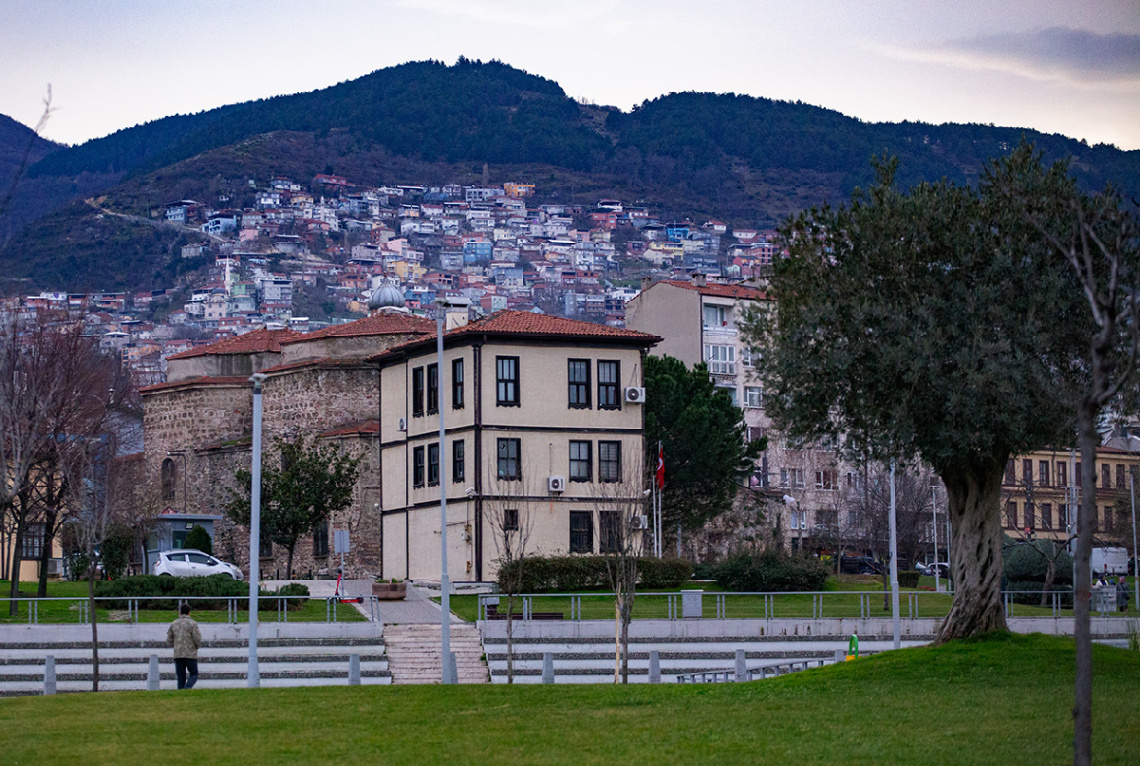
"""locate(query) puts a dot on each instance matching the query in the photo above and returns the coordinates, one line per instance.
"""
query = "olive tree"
(932, 324)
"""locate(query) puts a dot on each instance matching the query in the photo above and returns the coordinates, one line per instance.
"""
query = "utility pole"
(252, 674)
(894, 565)
(444, 579)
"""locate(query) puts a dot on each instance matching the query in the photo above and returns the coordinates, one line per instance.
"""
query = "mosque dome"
(386, 295)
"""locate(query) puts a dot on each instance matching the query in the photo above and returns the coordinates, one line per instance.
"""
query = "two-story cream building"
(543, 423)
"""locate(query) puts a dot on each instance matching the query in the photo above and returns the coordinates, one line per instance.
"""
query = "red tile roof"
(525, 324)
(365, 427)
(739, 292)
(258, 341)
(380, 323)
(203, 381)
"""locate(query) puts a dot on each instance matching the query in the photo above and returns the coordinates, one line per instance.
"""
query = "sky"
(1058, 66)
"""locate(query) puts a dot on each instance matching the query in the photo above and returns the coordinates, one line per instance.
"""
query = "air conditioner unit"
(403, 424)
(556, 484)
(639, 522)
(635, 395)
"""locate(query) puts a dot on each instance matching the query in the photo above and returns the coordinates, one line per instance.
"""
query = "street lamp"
(252, 675)
(444, 579)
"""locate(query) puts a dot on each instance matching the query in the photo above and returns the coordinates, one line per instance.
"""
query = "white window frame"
(721, 358)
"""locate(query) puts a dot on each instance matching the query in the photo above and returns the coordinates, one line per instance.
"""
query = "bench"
(493, 614)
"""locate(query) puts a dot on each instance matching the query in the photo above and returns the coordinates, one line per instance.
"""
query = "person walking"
(1122, 594)
(184, 636)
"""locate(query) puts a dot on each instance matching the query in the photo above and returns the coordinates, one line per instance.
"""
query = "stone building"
(366, 386)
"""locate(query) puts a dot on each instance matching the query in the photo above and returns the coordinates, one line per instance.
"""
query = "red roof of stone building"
(202, 381)
(380, 323)
(526, 324)
(738, 292)
(365, 427)
(258, 341)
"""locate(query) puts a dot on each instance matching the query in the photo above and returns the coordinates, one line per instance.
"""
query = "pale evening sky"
(1059, 66)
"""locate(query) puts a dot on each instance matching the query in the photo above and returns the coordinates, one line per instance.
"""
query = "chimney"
(645, 283)
(456, 315)
(699, 280)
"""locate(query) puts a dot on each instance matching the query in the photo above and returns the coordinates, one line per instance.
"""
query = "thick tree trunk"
(1050, 576)
(974, 491)
(17, 544)
(1082, 580)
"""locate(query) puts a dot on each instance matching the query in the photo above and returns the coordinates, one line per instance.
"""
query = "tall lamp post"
(1135, 553)
(444, 578)
(894, 565)
(252, 675)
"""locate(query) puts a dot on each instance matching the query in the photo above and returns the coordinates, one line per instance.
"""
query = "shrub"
(199, 539)
(1029, 592)
(115, 552)
(573, 573)
(771, 571)
(162, 593)
(1022, 563)
(908, 579)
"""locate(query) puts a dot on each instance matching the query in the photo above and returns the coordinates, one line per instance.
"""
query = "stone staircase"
(414, 653)
(298, 660)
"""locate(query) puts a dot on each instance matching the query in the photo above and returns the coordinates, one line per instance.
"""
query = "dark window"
(609, 393)
(418, 467)
(581, 461)
(169, 478)
(433, 389)
(321, 539)
(1043, 473)
(578, 373)
(1010, 472)
(581, 532)
(1062, 475)
(433, 465)
(1027, 471)
(32, 544)
(1109, 512)
(457, 384)
(458, 461)
(1030, 517)
(417, 392)
(510, 519)
(1120, 483)
(509, 459)
(1011, 515)
(507, 381)
(1077, 476)
(1106, 477)
(266, 547)
(609, 531)
(1046, 515)
(609, 461)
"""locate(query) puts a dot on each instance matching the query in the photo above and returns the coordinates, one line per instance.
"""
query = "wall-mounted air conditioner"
(639, 522)
(635, 395)
(403, 424)
(556, 484)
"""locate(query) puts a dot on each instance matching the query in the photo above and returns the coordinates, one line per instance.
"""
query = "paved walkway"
(416, 608)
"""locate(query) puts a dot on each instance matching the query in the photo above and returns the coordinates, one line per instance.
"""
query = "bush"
(1029, 592)
(562, 574)
(772, 571)
(162, 593)
(115, 552)
(908, 579)
(1022, 563)
(199, 539)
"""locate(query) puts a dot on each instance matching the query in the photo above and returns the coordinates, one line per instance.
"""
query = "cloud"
(1061, 54)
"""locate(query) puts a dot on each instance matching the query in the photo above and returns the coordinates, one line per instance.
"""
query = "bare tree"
(511, 521)
(1050, 551)
(622, 513)
(1099, 239)
(871, 503)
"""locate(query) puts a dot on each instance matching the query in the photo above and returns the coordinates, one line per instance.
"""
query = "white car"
(187, 562)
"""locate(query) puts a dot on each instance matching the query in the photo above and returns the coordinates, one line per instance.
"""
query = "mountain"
(20, 148)
(748, 161)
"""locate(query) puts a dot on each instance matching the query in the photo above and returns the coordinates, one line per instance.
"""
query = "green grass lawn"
(1002, 700)
(314, 610)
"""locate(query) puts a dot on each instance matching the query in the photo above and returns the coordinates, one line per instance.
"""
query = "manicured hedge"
(561, 574)
(908, 578)
(156, 592)
(773, 571)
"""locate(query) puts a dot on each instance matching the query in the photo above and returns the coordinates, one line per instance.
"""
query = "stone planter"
(390, 591)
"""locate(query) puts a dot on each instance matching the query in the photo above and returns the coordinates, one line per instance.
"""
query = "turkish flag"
(660, 466)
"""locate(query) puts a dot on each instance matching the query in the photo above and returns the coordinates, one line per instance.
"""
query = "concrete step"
(415, 653)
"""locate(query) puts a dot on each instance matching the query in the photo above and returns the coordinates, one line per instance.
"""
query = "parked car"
(187, 562)
(942, 568)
